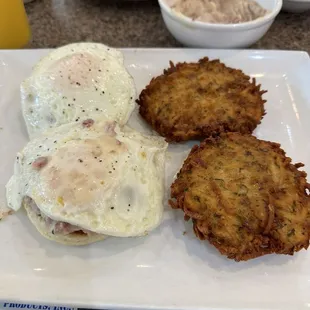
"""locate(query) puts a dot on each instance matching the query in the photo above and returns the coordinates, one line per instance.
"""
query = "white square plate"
(166, 270)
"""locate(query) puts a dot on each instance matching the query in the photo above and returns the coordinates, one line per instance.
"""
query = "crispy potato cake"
(196, 100)
(244, 196)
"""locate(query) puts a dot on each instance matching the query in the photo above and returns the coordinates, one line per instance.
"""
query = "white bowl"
(296, 6)
(199, 34)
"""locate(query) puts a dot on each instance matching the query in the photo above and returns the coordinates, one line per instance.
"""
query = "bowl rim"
(203, 25)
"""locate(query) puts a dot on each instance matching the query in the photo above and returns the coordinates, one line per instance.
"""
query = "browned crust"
(197, 100)
(244, 196)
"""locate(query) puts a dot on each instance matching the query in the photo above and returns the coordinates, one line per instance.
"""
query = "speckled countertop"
(136, 24)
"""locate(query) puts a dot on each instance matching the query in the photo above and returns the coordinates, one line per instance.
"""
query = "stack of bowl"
(296, 6)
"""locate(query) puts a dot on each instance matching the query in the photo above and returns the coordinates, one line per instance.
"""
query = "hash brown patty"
(196, 100)
(244, 196)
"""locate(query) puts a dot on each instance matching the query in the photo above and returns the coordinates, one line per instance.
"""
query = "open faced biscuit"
(60, 232)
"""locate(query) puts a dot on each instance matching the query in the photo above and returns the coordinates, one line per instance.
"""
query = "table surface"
(136, 24)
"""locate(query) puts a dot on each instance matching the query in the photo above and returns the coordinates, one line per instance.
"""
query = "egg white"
(102, 178)
(75, 82)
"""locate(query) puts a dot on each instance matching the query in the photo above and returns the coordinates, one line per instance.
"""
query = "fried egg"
(93, 174)
(75, 82)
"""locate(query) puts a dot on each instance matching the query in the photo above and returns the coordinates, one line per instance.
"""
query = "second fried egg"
(95, 175)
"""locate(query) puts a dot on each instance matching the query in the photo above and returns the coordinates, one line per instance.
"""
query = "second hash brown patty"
(195, 100)
(244, 196)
